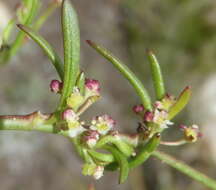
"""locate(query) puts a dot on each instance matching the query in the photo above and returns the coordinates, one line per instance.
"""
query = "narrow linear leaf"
(125, 148)
(49, 51)
(32, 8)
(7, 31)
(87, 157)
(101, 156)
(126, 72)
(184, 168)
(146, 151)
(80, 83)
(156, 75)
(122, 161)
(181, 102)
(71, 38)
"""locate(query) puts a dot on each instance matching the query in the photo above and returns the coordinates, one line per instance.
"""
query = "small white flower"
(98, 173)
(75, 127)
(90, 137)
(166, 124)
(73, 132)
(103, 124)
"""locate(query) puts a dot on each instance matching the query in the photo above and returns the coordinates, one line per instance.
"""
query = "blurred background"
(183, 36)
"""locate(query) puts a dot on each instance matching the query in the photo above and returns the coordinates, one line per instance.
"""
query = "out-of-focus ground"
(183, 35)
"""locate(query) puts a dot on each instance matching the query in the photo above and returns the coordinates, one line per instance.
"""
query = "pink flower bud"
(90, 137)
(148, 116)
(92, 85)
(58, 2)
(138, 108)
(55, 86)
(69, 115)
(183, 127)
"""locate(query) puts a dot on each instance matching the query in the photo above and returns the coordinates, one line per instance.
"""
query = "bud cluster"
(157, 119)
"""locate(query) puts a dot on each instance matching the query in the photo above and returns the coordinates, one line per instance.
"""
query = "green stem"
(31, 122)
(187, 170)
(174, 143)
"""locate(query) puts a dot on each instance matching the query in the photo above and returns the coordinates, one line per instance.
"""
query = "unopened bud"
(138, 108)
(92, 85)
(69, 115)
(148, 116)
(58, 2)
(90, 138)
(55, 86)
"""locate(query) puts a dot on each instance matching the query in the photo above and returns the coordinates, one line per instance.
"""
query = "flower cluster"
(88, 135)
(157, 119)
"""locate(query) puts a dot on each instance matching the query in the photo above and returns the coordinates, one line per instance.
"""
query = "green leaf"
(80, 83)
(49, 51)
(122, 161)
(127, 73)
(181, 102)
(125, 148)
(101, 156)
(71, 38)
(7, 31)
(27, 19)
(145, 151)
(156, 75)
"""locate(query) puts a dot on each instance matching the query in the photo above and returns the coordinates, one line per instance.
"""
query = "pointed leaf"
(101, 156)
(146, 151)
(7, 31)
(125, 148)
(52, 55)
(32, 8)
(71, 38)
(127, 73)
(156, 75)
(122, 161)
(180, 103)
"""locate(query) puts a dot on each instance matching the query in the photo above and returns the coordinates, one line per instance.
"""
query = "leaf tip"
(149, 51)
(188, 88)
(89, 42)
(20, 26)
